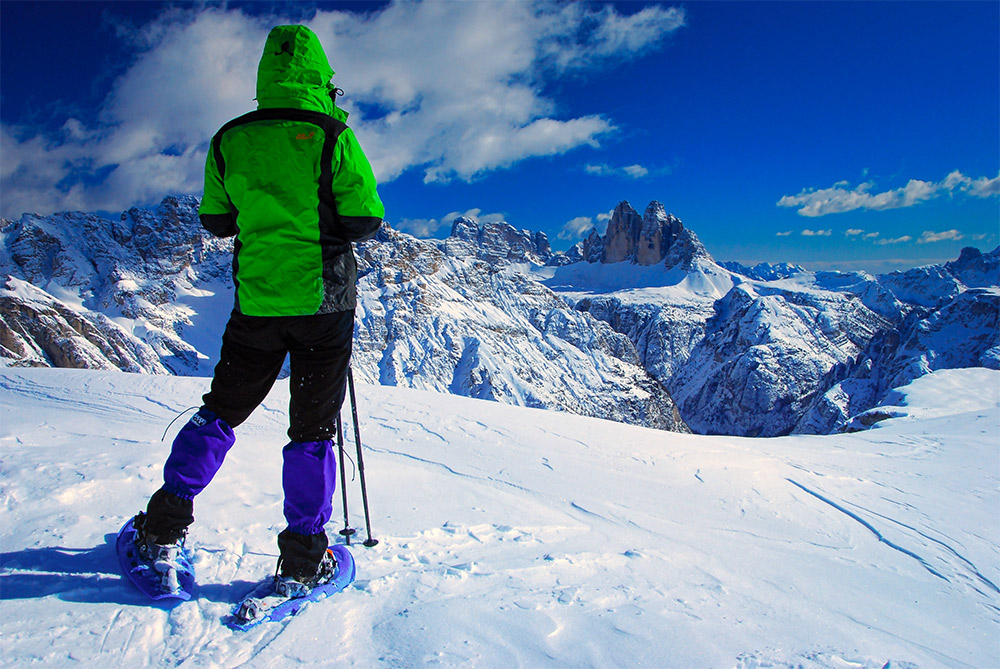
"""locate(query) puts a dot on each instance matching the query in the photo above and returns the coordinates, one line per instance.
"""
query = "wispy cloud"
(948, 235)
(451, 89)
(816, 233)
(895, 240)
(785, 233)
(580, 227)
(628, 172)
(927, 237)
(842, 198)
(576, 228)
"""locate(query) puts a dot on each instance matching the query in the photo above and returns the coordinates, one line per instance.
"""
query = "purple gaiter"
(196, 455)
(309, 478)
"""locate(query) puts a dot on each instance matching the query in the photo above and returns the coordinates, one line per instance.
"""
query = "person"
(291, 182)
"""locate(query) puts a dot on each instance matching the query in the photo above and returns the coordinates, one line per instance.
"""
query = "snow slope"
(519, 537)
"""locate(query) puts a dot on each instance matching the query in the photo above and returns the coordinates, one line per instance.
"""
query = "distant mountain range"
(639, 325)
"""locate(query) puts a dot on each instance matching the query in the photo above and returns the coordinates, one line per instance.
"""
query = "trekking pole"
(369, 542)
(347, 531)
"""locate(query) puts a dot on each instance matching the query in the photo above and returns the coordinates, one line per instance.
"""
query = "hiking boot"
(300, 583)
(162, 553)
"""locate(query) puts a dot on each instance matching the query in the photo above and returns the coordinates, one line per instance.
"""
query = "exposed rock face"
(592, 248)
(497, 241)
(37, 330)
(622, 237)
(644, 240)
(659, 230)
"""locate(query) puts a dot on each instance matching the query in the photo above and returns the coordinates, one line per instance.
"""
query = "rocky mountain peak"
(492, 241)
(641, 240)
(976, 269)
(622, 237)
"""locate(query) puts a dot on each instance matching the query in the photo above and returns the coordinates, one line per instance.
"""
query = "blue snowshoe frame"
(142, 574)
(343, 577)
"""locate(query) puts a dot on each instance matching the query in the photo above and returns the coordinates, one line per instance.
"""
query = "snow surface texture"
(518, 537)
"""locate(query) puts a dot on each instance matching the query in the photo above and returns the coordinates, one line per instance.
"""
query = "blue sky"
(836, 135)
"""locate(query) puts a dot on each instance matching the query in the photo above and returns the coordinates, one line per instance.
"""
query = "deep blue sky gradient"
(746, 103)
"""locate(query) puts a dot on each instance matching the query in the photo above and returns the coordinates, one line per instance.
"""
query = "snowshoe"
(159, 570)
(281, 596)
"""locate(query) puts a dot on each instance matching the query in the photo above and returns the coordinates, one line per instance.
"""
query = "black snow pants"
(253, 351)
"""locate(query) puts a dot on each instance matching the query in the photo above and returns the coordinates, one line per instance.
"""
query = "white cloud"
(948, 235)
(786, 233)
(816, 233)
(576, 228)
(841, 198)
(896, 240)
(925, 238)
(628, 172)
(420, 227)
(600, 34)
(580, 227)
(452, 89)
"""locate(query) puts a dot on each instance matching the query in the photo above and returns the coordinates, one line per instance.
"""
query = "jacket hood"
(294, 72)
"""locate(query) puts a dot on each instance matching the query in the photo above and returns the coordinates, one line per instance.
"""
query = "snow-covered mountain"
(510, 537)
(151, 293)
(140, 294)
(764, 271)
(963, 332)
(767, 356)
(619, 327)
(437, 317)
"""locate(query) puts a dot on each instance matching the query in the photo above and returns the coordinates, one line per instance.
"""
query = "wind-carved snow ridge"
(965, 570)
(870, 528)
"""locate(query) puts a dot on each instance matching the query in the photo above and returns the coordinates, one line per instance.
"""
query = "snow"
(637, 284)
(518, 537)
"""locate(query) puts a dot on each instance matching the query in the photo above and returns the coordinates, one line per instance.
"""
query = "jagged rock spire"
(644, 240)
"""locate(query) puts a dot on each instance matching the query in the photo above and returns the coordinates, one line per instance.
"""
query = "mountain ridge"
(640, 324)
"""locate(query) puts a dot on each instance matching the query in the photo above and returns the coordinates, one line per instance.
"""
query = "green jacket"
(292, 183)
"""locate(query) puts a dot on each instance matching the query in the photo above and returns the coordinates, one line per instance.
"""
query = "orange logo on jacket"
(303, 135)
